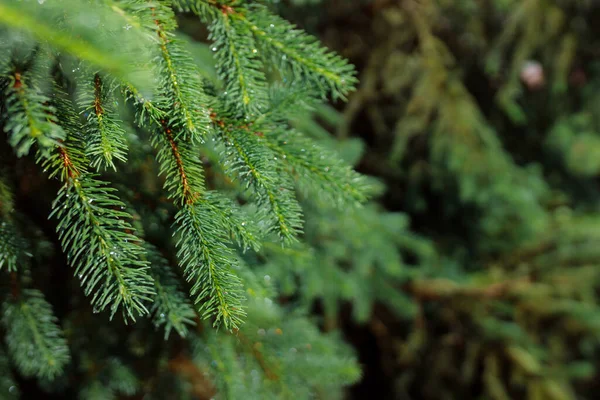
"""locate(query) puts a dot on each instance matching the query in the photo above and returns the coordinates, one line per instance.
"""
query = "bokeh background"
(480, 118)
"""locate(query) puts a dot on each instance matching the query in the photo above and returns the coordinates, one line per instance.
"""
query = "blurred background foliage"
(476, 274)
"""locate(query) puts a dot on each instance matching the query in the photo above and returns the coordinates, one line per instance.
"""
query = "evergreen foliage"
(194, 189)
(106, 94)
(34, 340)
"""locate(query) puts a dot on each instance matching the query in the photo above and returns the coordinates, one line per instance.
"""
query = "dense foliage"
(142, 138)
(474, 277)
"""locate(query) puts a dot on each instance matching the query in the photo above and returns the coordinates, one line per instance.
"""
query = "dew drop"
(214, 49)
(267, 278)
(13, 389)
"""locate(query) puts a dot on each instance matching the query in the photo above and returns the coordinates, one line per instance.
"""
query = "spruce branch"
(104, 133)
(202, 249)
(210, 264)
(247, 156)
(237, 223)
(95, 233)
(95, 230)
(291, 48)
(288, 102)
(33, 338)
(238, 65)
(182, 96)
(317, 169)
(180, 164)
(29, 118)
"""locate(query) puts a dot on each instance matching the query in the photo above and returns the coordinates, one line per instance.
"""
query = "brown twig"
(438, 289)
(97, 95)
(67, 163)
(189, 196)
(269, 373)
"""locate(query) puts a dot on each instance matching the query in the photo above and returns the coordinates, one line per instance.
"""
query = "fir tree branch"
(94, 230)
(107, 258)
(184, 101)
(33, 337)
(249, 158)
(202, 249)
(238, 65)
(290, 47)
(184, 183)
(318, 169)
(29, 118)
(210, 264)
(233, 219)
(105, 136)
